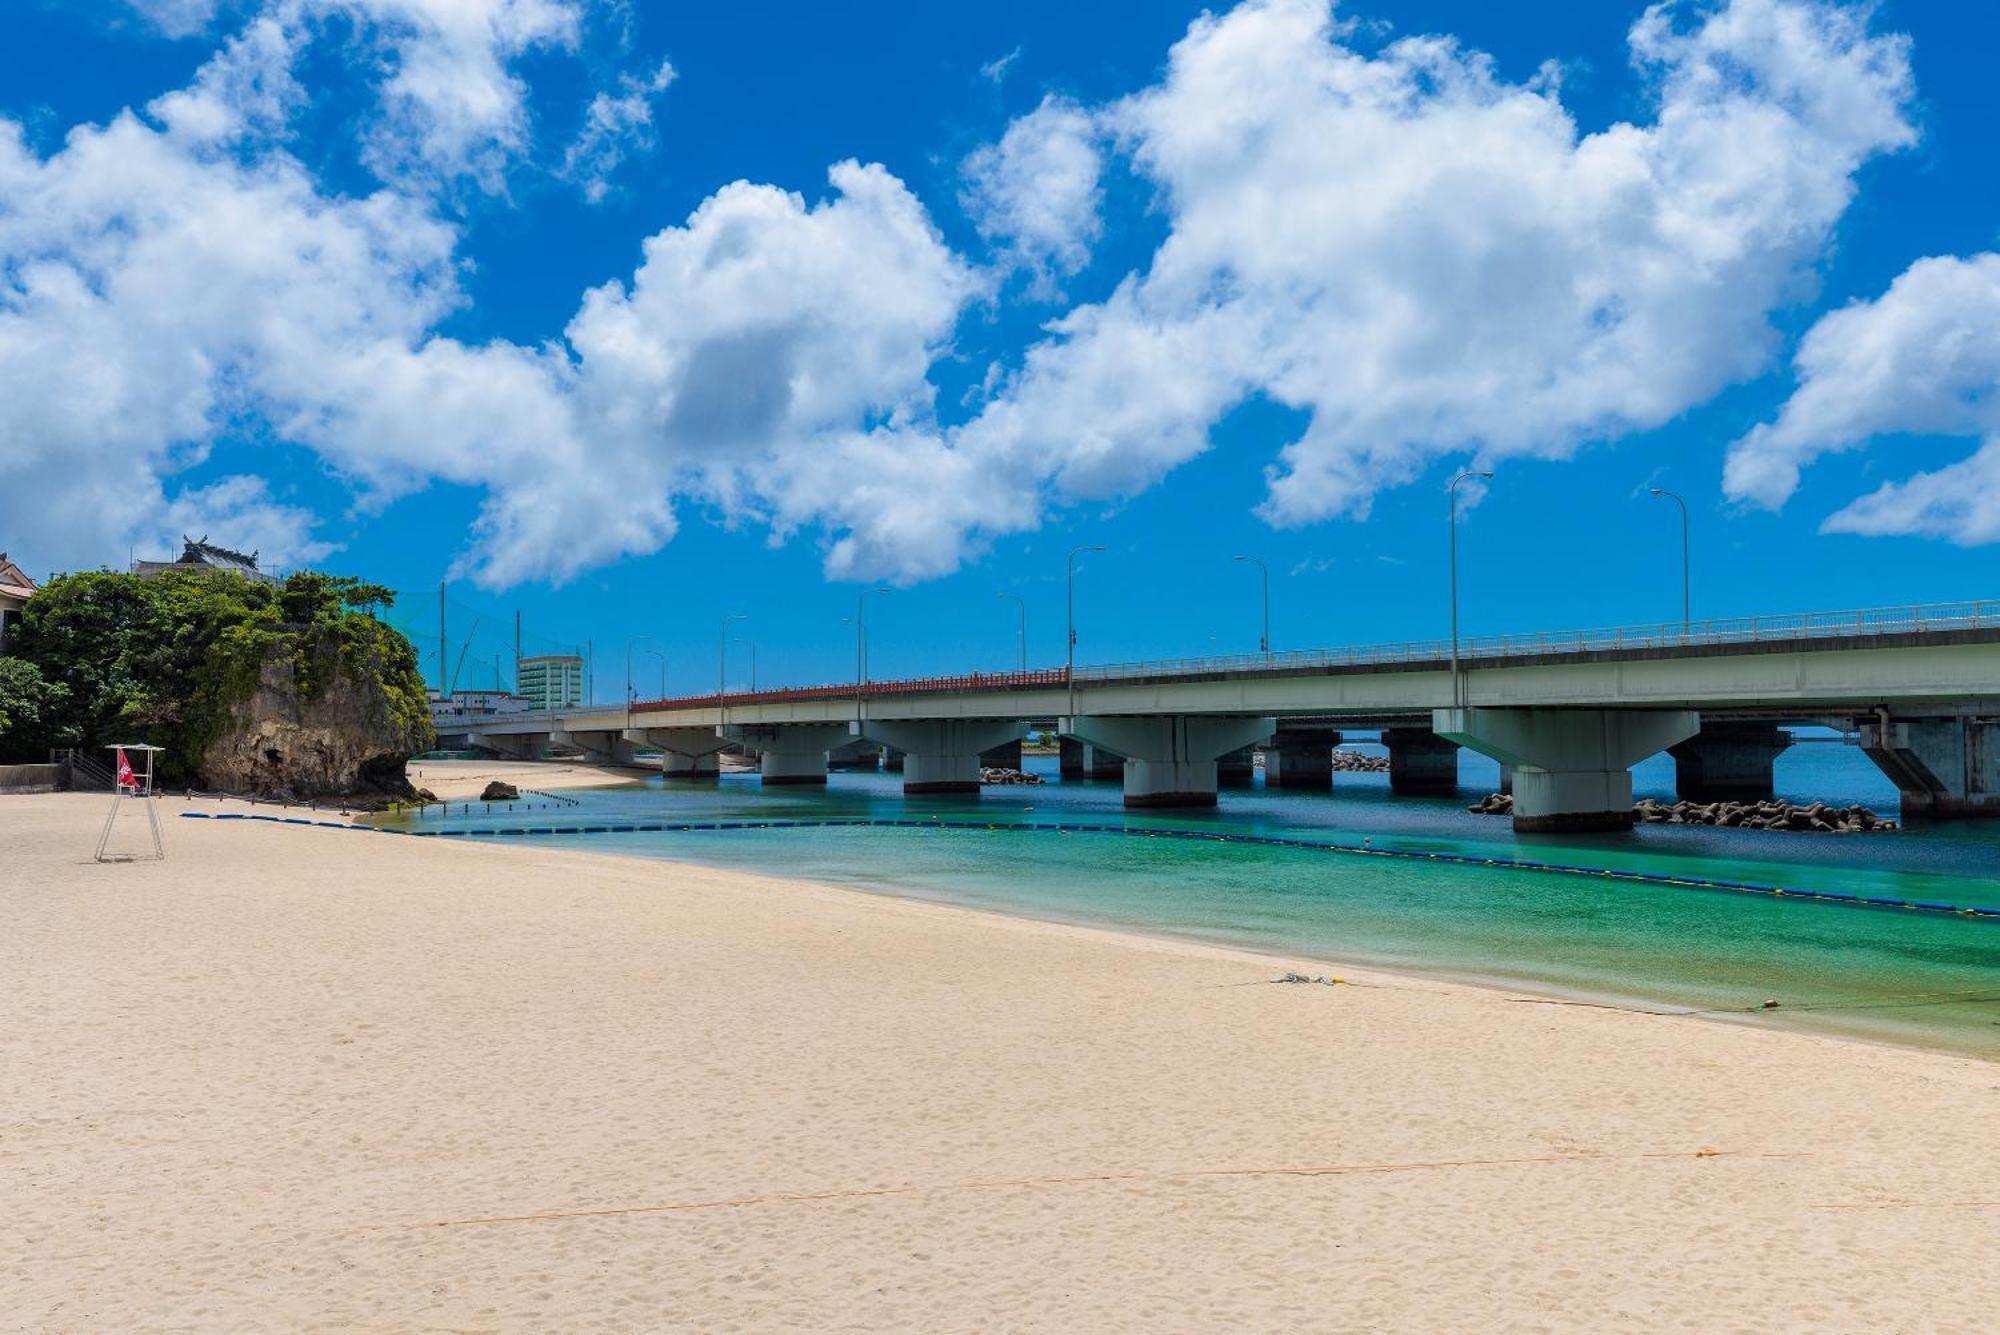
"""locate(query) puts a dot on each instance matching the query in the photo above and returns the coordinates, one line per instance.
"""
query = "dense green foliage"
(29, 702)
(104, 657)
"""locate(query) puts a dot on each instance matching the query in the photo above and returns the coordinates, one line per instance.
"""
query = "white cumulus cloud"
(1419, 255)
(1428, 259)
(452, 108)
(1036, 191)
(1924, 359)
(614, 126)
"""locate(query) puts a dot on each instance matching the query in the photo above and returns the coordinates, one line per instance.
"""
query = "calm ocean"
(1899, 976)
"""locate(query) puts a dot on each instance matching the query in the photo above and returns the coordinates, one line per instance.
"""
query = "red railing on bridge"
(1473, 651)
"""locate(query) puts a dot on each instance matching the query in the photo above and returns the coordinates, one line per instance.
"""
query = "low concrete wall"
(30, 778)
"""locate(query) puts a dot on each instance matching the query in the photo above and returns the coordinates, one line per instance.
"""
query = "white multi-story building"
(550, 681)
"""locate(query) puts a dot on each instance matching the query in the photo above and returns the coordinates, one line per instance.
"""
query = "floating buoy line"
(1923, 906)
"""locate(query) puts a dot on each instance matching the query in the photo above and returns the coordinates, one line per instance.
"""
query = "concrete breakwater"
(1816, 817)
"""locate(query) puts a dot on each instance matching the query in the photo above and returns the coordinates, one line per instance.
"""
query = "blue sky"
(368, 283)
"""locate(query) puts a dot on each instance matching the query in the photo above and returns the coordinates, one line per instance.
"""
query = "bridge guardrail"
(1906, 619)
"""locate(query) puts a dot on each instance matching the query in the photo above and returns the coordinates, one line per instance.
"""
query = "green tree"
(165, 660)
(30, 707)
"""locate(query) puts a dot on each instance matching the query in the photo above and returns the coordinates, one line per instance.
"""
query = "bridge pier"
(511, 746)
(1300, 758)
(1170, 759)
(1946, 768)
(892, 760)
(685, 753)
(788, 753)
(1238, 768)
(1420, 761)
(1078, 759)
(942, 755)
(1729, 762)
(1099, 763)
(857, 754)
(1007, 755)
(600, 746)
(1572, 767)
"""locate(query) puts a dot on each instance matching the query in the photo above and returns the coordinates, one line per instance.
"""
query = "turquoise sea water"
(1899, 976)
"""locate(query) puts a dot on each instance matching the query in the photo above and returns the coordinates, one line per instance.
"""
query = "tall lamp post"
(1451, 491)
(722, 658)
(1687, 593)
(1022, 634)
(861, 646)
(753, 661)
(1264, 644)
(628, 665)
(1069, 664)
(663, 670)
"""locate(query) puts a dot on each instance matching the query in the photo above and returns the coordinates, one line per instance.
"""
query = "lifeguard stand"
(131, 783)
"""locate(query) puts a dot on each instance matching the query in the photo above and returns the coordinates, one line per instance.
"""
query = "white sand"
(303, 1078)
(457, 780)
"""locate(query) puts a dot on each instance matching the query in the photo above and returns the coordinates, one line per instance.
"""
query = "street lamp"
(1022, 607)
(628, 665)
(861, 645)
(663, 670)
(1451, 491)
(722, 656)
(1687, 594)
(1263, 645)
(753, 661)
(1069, 668)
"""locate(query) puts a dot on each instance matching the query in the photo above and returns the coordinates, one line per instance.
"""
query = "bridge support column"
(1947, 768)
(601, 747)
(1300, 758)
(1237, 768)
(1729, 762)
(1098, 763)
(1007, 755)
(1572, 767)
(892, 760)
(1507, 780)
(1170, 759)
(511, 746)
(856, 754)
(685, 753)
(1420, 761)
(788, 753)
(1069, 757)
(942, 755)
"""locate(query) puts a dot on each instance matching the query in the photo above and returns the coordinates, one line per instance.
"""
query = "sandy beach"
(462, 780)
(311, 1078)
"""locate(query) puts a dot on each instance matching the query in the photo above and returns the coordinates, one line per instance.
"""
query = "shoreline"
(1824, 1022)
(1527, 991)
(292, 1077)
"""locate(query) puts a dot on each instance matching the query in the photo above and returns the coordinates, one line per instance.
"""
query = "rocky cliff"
(339, 733)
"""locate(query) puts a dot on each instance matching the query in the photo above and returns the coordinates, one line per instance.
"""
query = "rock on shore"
(1353, 762)
(999, 775)
(1817, 817)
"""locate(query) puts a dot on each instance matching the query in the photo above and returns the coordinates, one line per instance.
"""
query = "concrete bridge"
(1566, 715)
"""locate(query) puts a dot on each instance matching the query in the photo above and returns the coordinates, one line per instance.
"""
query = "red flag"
(126, 779)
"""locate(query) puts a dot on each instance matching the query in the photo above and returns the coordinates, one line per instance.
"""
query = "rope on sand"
(1921, 906)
